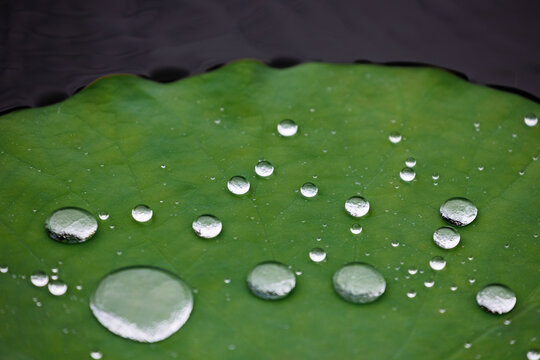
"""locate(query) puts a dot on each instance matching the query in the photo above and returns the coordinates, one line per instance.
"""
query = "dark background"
(50, 49)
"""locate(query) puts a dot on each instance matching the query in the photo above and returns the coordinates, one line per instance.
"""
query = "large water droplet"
(71, 225)
(533, 354)
(142, 213)
(496, 298)
(264, 169)
(357, 206)
(287, 128)
(531, 120)
(207, 226)
(238, 185)
(57, 287)
(39, 278)
(271, 280)
(446, 237)
(437, 263)
(144, 304)
(356, 229)
(410, 162)
(407, 174)
(359, 283)
(317, 255)
(394, 137)
(309, 190)
(458, 211)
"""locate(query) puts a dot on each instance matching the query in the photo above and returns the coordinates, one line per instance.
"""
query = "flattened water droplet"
(359, 283)
(271, 280)
(410, 162)
(264, 169)
(144, 304)
(411, 294)
(57, 287)
(356, 229)
(317, 255)
(496, 298)
(446, 237)
(142, 213)
(394, 137)
(207, 226)
(533, 354)
(357, 206)
(407, 174)
(71, 225)
(429, 283)
(103, 216)
(309, 190)
(437, 263)
(531, 120)
(287, 128)
(39, 278)
(238, 185)
(458, 211)
(96, 355)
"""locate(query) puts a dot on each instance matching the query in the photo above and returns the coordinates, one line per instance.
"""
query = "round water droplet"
(71, 225)
(411, 294)
(531, 120)
(410, 162)
(496, 298)
(437, 263)
(317, 255)
(144, 304)
(103, 216)
(3, 269)
(39, 278)
(271, 280)
(238, 185)
(446, 237)
(287, 128)
(407, 174)
(357, 206)
(57, 287)
(412, 271)
(435, 176)
(359, 283)
(394, 137)
(142, 213)
(356, 229)
(264, 169)
(309, 190)
(96, 355)
(207, 226)
(429, 283)
(533, 354)
(458, 211)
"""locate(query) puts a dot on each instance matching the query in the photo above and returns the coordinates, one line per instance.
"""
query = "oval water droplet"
(531, 120)
(394, 137)
(271, 280)
(437, 263)
(57, 287)
(96, 355)
(39, 278)
(429, 283)
(410, 162)
(287, 128)
(264, 169)
(145, 304)
(142, 213)
(103, 216)
(533, 354)
(309, 190)
(359, 283)
(317, 255)
(446, 237)
(357, 206)
(407, 174)
(458, 211)
(411, 294)
(238, 185)
(207, 226)
(3, 269)
(496, 298)
(71, 225)
(356, 229)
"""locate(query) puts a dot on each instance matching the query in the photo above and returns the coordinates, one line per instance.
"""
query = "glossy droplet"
(39, 278)
(287, 128)
(446, 237)
(71, 225)
(207, 226)
(357, 206)
(264, 169)
(496, 298)
(142, 213)
(531, 120)
(309, 190)
(317, 255)
(3, 269)
(359, 283)
(458, 211)
(410, 162)
(411, 294)
(57, 287)
(96, 355)
(271, 280)
(407, 174)
(394, 137)
(437, 263)
(238, 185)
(356, 229)
(103, 216)
(429, 283)
(533, 354)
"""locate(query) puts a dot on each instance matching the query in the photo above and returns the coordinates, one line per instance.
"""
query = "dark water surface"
(50, 49)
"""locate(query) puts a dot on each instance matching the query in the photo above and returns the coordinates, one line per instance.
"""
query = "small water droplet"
(71, 225)
(359, 283)
(446, 237)
(271, 280)
(507, 322)
(142, 213)
(4, 269)
(309, 190)
(429, 283)
(533, 354)
(411, 294)
(264, 169)
(103, 216)
(238, 185)
(78, 287)
(96, 355)
(317, 255)
(412, 271)
(437, 263)
(467, 346)
(531, 120)
(407, 174)
(410, 162)
(395, 243)
(472, 280)
(287, 128)
(356, 229)
(357, 206)
(458, 211)
(394, 137)
(57, 287)
(480, 168)
(207, 226)
(39, 278)
(453, 288)
(435, 176)
(227, 280)
(496, 298)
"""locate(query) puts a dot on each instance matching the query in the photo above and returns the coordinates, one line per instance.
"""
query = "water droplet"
(458, 211)
(394, 137)
(359, 283)
(395, 243)
(411, 294)
(317, 255)
(96, 355)
(496, 298)
(4, 269)
(264, 169)
(446, 237)
(287, 128)
(309, 190)
(207, 226)
(507, 322)
(410, 162)
(412, 271)
(57, 287)
(429, 283)
(356, 229)
(480, 168)
(142, 213)
(227, 280)
(143, 303)
(103, 216)
(271, 280)
(71, 225)
(238, 185)
(357, 206)
(467, 346)
(533, 354)
(39, 278)
(453, 288)
(437, 263)
(407, 174)
(531, 120)
(435, 176)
